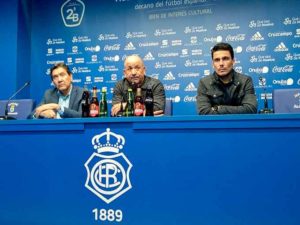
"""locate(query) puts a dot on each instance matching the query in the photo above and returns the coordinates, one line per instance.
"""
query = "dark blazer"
(74, 109)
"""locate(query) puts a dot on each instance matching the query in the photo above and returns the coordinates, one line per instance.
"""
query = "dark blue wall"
(14, 47)
(8, 47)
(24, 46)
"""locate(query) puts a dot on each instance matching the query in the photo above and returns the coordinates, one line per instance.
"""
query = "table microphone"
(266, 109)
(6, 117)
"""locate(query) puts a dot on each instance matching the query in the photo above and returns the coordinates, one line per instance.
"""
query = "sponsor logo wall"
(174, 37)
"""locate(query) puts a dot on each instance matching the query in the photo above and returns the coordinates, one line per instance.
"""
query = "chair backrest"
(19, 109)
(286, 100)
(168, 108)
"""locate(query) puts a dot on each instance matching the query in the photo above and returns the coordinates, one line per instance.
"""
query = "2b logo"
(72, 12)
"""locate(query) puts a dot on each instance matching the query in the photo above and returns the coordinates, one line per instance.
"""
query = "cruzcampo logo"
(72, 12)
(108, 169)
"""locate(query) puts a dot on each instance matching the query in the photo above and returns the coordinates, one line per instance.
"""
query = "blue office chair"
(17, 109)
(286, 100)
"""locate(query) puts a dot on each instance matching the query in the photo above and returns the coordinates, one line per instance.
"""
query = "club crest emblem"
(108, 169)
(12, 107)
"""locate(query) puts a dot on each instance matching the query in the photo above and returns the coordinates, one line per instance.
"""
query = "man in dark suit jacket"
(64, 100)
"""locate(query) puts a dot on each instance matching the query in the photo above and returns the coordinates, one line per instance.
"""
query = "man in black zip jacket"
(225, 91)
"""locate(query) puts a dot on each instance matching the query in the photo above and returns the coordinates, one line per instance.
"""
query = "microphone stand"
(6, 117)
(266, 109)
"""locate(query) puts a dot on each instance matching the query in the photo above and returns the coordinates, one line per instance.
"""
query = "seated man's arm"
(71, 113)
(159, 99)
(50, 114)
(75, 109)
(46, 110)
(204, 106)
(248, 103)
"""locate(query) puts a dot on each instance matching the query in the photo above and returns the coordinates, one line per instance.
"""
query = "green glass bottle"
(103, 104)
(130, 105)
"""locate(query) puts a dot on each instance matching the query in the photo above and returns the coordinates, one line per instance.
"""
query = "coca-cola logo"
(257, 48)
(283, 69)
(188, 98)
(239, 37)
(114, 47)
(172, 87)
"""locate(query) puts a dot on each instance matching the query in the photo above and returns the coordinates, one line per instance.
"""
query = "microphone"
(6, 117)
(266, 109)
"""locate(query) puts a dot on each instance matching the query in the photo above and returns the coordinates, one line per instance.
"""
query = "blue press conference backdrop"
(174, 37)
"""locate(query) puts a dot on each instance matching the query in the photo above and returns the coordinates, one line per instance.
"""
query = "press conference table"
(202, 170)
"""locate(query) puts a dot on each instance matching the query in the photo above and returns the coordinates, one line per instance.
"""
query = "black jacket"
(237, 97)
(121, 90)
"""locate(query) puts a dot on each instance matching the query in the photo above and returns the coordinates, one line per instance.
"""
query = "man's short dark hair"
(222, 46)
(60, 65)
